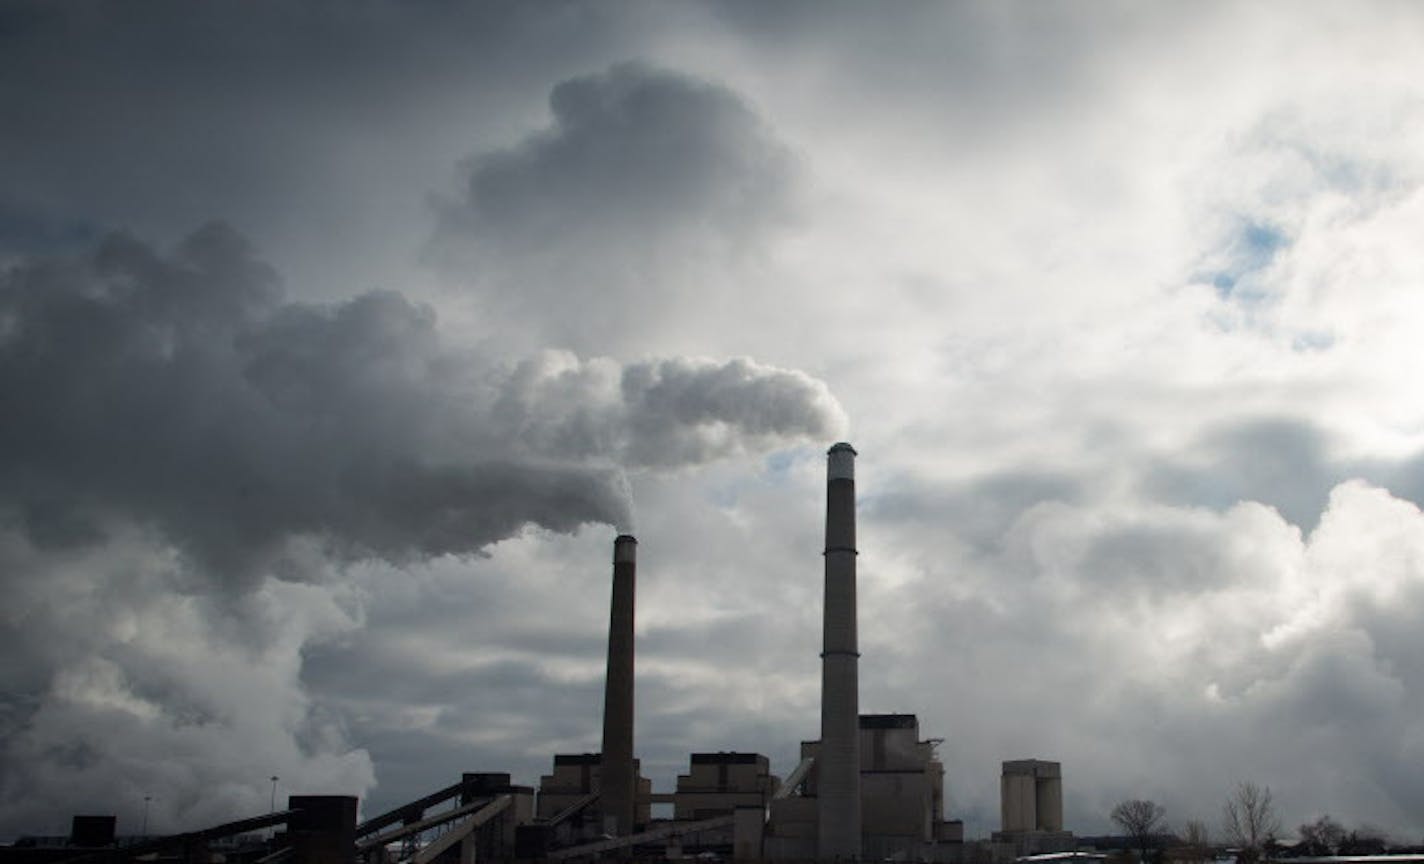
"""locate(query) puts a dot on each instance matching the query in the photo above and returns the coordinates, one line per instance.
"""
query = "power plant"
(869, 788)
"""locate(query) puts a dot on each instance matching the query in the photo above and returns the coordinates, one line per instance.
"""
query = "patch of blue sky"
(1240, 288)
(1310, 341)
(724, 495)
(29, 231)
(778, 465)
(1350, 176)
(1250, 252)
(1262, 242)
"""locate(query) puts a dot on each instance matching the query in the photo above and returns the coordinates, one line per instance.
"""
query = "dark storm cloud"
(633, 148)
(27, 231)
(643, 179)
(147, 103)
(318, 131)
(181, 391)
(174, 424)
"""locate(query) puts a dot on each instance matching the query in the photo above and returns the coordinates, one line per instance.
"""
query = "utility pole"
(144, 831)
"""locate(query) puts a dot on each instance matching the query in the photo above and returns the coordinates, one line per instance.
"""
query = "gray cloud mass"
(174, 414)
(633, 207)
(182, 390)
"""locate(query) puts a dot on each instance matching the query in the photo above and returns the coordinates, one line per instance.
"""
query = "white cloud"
(1169, 649)
(154, 690)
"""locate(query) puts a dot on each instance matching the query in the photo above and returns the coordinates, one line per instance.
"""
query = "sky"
(338, 341)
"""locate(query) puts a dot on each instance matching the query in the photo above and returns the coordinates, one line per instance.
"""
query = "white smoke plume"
(188, 459)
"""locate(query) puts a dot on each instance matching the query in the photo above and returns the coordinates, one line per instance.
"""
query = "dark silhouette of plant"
(1141, 821)
(1321, 837)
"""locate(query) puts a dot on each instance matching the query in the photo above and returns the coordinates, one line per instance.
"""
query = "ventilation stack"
(618, 779)
(838, 771)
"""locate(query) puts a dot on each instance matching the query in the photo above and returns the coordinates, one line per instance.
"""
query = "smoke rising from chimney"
(197, 451)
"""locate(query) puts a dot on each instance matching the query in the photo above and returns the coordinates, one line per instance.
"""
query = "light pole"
(144, 831)
(272, 805)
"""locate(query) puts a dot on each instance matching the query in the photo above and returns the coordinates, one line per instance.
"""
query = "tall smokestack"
(617, 777)
(838, 774)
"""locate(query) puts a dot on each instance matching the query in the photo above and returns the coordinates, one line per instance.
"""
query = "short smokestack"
(618, 780)
(838, 771)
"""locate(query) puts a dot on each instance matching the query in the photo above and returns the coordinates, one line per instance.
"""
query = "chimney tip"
(841, 462)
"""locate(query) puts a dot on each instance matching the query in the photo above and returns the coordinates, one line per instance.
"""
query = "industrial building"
(718, 782)
(1031, 808)
(1031, 794)
(900, 798)
(575, 789)
(870, 787)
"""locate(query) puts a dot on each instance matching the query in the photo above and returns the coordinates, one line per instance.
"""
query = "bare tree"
(1321, 837)
(1196, 841)
(1141, 821)
(1249, 820)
